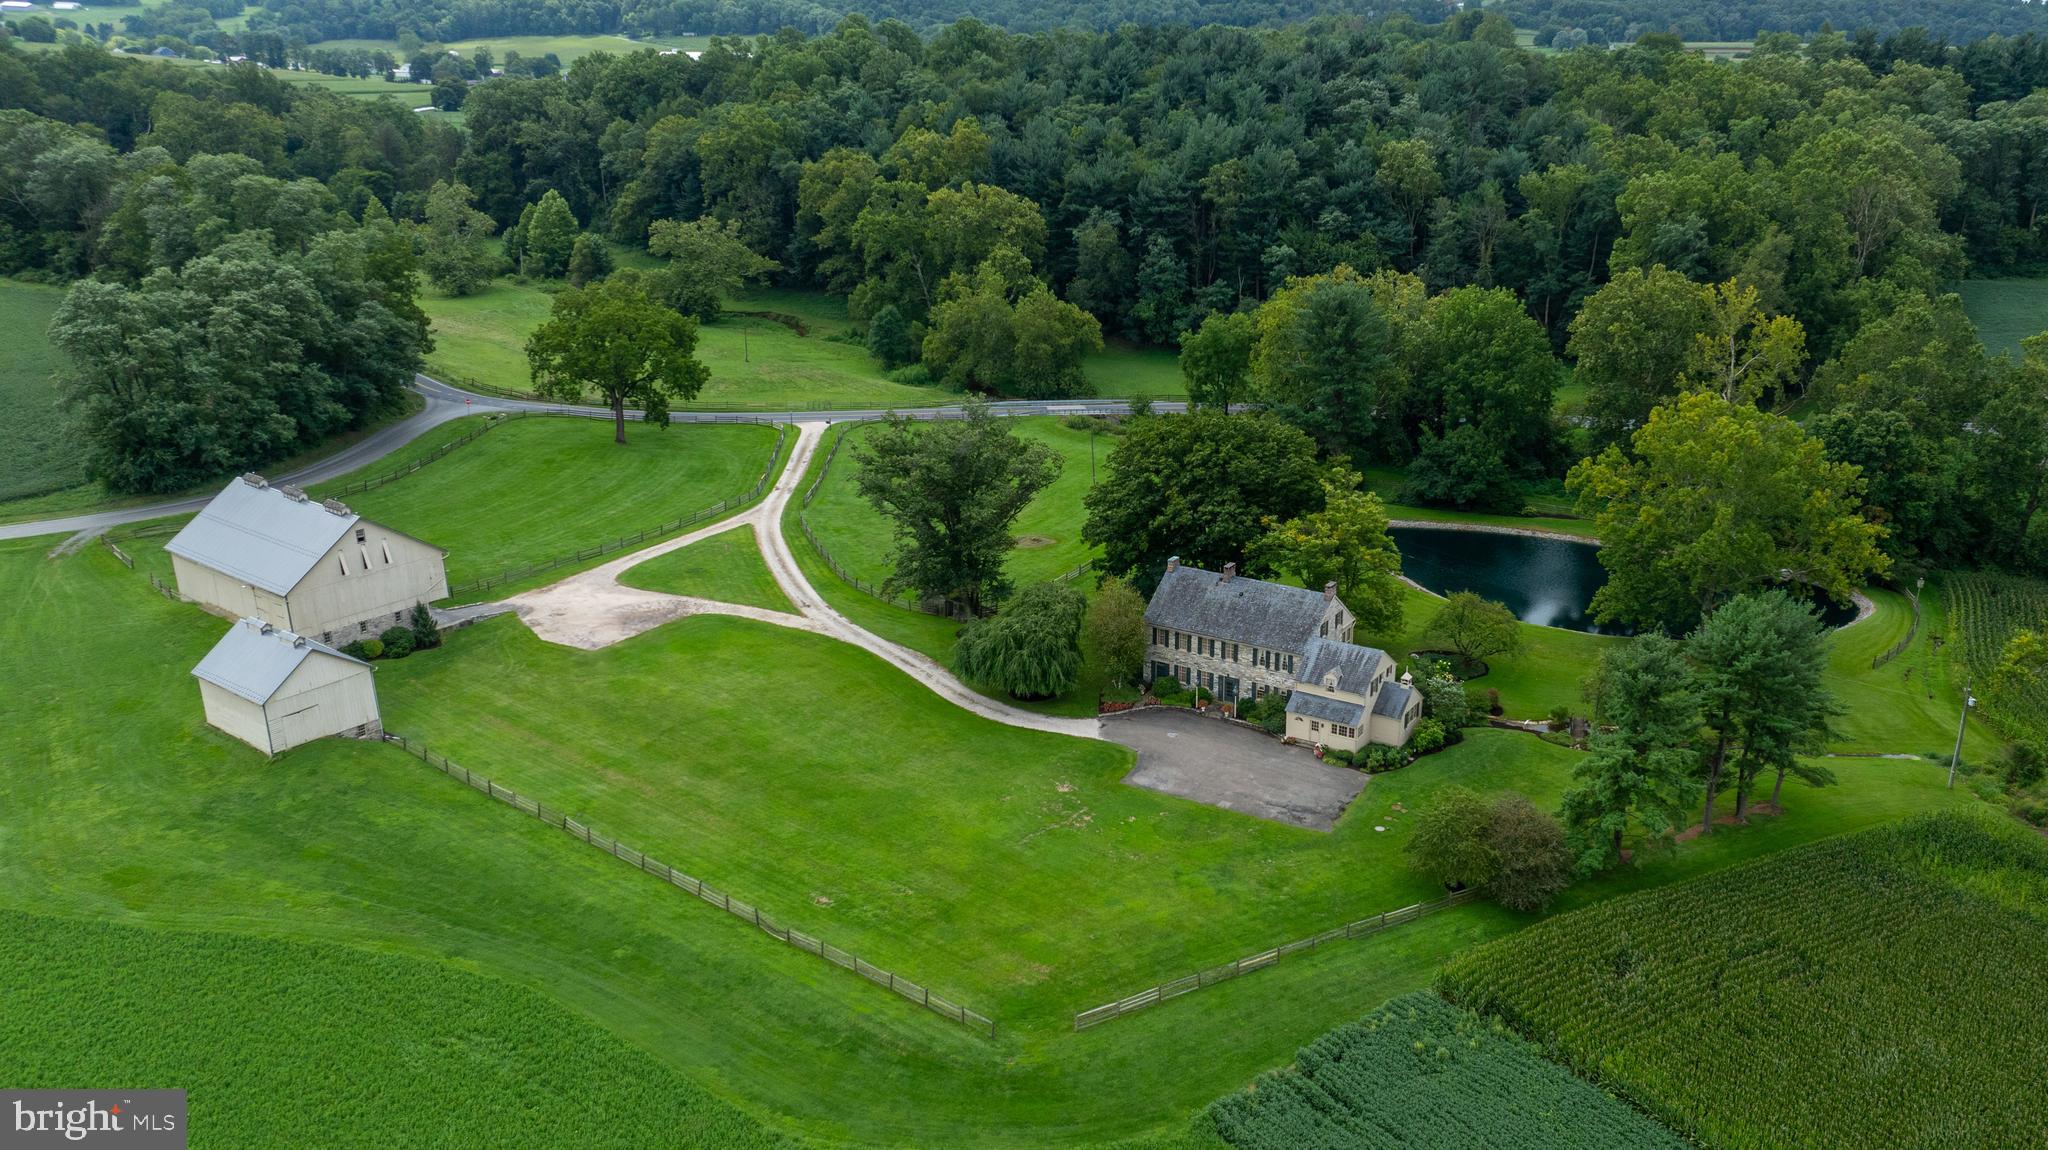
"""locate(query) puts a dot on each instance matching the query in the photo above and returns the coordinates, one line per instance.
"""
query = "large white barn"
(314, 568)
(274, 690)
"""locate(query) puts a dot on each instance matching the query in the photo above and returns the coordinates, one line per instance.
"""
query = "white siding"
(235, 715)
(325, 696)
(1394, 732)
(329, 603)
(226, 593)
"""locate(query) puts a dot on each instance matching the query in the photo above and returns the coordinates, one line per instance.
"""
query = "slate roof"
(1325, 708)
(254, 659)
(1393, 700)
(262, 536)
(1354, 664)
(1251, 612)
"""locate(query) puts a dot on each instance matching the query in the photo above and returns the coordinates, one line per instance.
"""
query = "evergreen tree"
(589, 260)
(889, 338)
(548, 238)
(1642, 772)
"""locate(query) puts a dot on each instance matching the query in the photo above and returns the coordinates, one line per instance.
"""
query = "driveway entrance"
(1225, 765)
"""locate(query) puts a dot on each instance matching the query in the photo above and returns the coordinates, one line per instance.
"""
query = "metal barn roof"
(254, 659)
(268, 537)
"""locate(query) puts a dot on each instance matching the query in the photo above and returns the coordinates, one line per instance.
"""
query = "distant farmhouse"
(274, 690)
(271, 553)
(1242, 638)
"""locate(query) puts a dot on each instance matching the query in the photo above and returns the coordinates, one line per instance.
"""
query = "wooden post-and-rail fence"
(1202, 979)
(914, 991)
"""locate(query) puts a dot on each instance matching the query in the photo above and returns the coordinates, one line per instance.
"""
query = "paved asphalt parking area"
(1227, 766)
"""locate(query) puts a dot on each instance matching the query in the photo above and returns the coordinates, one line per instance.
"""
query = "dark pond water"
(1544, 581)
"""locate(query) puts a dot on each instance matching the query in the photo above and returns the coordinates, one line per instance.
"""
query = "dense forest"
(1437, 228)
(1621, 21)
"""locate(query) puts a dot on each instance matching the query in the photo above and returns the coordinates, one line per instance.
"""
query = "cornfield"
(1983, 612)
(1879, 989)
(1421, 1073)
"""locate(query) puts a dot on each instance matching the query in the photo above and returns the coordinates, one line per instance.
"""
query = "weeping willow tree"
(1031, 648)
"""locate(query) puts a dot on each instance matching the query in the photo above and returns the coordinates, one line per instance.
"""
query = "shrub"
(1535, 864)
(397, 642)
(1560, 717)
(426, 634)
(372, 648)
(358, 650)
(2024, 764)
(915, 375)
(1268, 711)
(1429, 736)
(1493, 701)
(1337, 755)
(1443, 696)
(1376, 759)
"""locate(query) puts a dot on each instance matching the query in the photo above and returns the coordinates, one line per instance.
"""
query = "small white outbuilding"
(273, 689)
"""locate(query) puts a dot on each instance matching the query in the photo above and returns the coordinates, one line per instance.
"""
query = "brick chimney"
(1172, 564)
(1329, 591)
(1229, 572)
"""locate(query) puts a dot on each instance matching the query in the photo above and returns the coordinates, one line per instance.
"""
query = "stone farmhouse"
(1241, 638)
(274, 690)
(312, 568)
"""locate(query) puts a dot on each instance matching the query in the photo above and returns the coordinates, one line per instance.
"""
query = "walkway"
(592, 610)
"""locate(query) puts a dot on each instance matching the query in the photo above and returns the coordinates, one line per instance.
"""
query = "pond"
(1545, 581)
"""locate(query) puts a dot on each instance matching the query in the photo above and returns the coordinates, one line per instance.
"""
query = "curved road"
(446, 402)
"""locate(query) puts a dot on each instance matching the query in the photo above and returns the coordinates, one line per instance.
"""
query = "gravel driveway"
(1225, 765)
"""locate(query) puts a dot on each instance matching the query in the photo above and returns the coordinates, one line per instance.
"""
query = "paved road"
(446, 402)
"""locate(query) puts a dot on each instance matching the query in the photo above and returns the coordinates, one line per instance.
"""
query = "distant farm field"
(38, 450)
(1880, 989)
(2006, 311)
(361, 1041)
(1985, 611)
(772, 349)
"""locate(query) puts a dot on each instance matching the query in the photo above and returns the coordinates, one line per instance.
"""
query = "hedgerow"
(291, 1044)
(1879, 989)
(1419, 1073)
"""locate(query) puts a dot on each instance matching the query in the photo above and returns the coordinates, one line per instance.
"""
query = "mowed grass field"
(358, 1043)
(726, 567)
(38, 446)
(755, 361)
(2006, 311)
(533, 489)
(157, 820)
(1876, 989)
(1048, 531)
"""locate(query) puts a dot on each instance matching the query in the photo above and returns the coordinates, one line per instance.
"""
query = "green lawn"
(727, 567)
(568, 49)
(1909, 705)
(755, 361)
(38, 450)
(119, 803)
(372, 1039)
(534, 489)
(2006, 311)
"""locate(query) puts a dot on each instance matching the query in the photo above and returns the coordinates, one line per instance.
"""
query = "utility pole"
(1968, 702)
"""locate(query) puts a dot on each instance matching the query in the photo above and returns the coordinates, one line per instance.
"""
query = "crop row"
(1984, 611)
(1421, 1072)
(1877, 989)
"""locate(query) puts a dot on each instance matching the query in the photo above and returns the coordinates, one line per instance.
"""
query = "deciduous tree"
(614, 339)
(1116, 631)
(1476, 628)
(1031, 648)
(707, 262)
(1345, 542)
(952, 488)
(1216, 359)
(455, 250)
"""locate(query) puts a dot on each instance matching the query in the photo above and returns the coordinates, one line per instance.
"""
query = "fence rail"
(1202, 979)
(397, 473)
(914, 991)
(126, 560)
(584, 555)
(165, 589)
(1899, 648)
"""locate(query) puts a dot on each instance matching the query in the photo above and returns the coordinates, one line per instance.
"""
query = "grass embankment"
(358, 1044)
(538, 488)
(1877, 989)
(119, 802)
(1419, 1072)
(726, 567)
(757, 361)
(2006, 311)
(38, 445)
